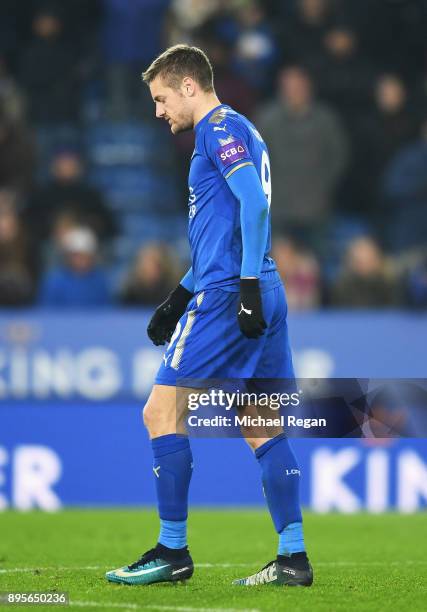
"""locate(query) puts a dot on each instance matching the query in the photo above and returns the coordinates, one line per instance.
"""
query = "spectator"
(393, 33)
(395, 122)
(16, 273)
(132, 34)
(50, 72)
(80, 19)
(300, 273)
(68, 194)
(308, 153)
(12, 103)
(376, 136)
(256, 53)
(342, 75)
(16, 154)
(79, 282)
(187, 16)
(249, 38)
(231, 88)
(366, 280)
(152, 277)
(303, 30)
(405, 194)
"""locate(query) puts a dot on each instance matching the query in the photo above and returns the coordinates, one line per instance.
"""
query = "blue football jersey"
(225, 141)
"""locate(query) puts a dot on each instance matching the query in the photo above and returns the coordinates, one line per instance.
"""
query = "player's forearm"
(254, 226)
(188, 281)
(246, 186)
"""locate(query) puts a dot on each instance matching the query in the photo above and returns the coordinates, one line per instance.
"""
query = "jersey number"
(266, 176)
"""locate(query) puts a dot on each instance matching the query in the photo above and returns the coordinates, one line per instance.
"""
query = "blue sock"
(291, 539)
(280, 479)
(173, 534)
(172, 467)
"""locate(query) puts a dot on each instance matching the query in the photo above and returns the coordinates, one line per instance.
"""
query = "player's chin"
(177, 128)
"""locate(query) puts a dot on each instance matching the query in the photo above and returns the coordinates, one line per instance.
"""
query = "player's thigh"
(276, 358)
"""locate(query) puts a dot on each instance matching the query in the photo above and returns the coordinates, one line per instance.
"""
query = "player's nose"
(160, 112)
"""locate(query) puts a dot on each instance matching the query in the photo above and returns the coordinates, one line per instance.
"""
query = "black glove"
(167, 315)
(249, 309)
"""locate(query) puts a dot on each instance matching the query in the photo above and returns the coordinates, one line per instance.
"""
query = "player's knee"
(252, 442)
(148, 416)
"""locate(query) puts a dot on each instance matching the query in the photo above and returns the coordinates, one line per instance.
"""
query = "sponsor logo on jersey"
(226, 141)
(232, 152)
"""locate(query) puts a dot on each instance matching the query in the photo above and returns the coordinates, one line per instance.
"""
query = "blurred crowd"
(91, 187)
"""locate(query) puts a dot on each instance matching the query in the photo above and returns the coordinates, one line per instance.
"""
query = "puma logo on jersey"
(245, 310)
(220, 129)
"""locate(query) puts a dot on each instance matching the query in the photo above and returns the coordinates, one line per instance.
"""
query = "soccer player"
(226, 319)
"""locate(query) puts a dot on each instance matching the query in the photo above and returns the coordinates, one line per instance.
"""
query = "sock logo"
(156, 471)
(293, 473)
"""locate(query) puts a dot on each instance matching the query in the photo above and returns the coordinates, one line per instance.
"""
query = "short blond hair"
(178, 62)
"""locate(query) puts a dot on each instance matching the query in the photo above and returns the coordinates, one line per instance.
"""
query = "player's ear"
(188, 87)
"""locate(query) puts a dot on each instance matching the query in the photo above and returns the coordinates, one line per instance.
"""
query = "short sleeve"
(227, 146)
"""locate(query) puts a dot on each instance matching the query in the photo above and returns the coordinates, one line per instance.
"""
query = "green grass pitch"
(361, 562)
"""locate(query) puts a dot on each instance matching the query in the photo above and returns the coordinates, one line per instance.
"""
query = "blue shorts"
(208, 344)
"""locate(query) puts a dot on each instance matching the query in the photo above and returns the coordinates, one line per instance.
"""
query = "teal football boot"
(160, 564)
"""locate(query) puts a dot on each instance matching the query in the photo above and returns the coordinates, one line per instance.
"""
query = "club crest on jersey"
(232, 152)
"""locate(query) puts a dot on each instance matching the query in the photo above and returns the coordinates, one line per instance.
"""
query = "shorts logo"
(232, 152)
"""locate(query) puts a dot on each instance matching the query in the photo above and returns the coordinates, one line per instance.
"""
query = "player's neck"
(209, 103)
